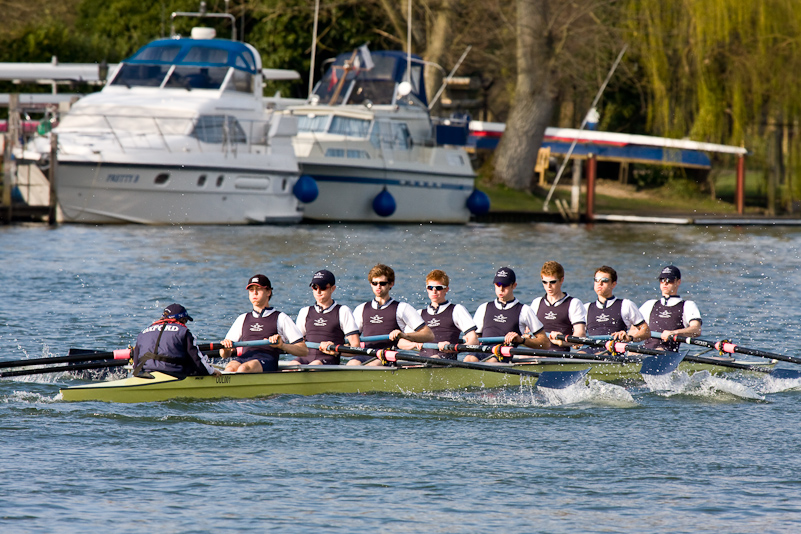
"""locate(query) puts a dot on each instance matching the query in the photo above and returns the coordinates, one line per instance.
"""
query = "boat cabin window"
(140, 75)
(313, 123)
(376, 85)
(349, 126)
(161, 54)
(218, 129)
(191, 77)
(393, 135)
(240, 81)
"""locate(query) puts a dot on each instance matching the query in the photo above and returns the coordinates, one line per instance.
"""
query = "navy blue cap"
(176, 311)
(671, 272)
(323, 278)
(505, 276)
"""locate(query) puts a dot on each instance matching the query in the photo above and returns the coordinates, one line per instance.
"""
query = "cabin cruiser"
(368, 141)
(179, 135)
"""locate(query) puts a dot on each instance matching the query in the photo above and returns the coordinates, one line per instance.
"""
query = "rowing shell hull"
(342, 379)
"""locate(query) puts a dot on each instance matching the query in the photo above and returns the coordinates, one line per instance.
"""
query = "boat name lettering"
(156, 327)
(123, 178)
(223, 379)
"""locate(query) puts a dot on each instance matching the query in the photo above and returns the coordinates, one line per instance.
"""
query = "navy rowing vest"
(665, 318)
(259, 328)
(379, 322)
(605, 321)
(556, 319)
(323, 327)
(498, 323)
(171, 355)
(444, 329)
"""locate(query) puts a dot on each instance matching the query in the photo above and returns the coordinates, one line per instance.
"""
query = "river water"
(705, 454)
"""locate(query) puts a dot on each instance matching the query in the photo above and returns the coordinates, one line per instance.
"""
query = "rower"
(263, 322)
(445, 319)
(385, 316)
(611, 316)
(557, 311)
(508, 317)
(169, 347)
(671, 314)
(326, 322)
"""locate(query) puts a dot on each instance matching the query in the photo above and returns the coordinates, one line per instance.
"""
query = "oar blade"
(786, 374)
(561, 379)
(660, 364)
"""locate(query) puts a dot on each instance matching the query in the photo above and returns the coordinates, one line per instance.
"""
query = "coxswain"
(169, 347)
(263, 322)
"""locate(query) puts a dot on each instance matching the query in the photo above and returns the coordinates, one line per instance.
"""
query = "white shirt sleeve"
(691, 313)
(301, 320)
(358, 314)
(462, 319)
(289, 331)
(235, 332)
(646, 308)
(577, 312)
(631, 314)
(528, 319)
(478, 318)
(535, 304)
(408, 318)
(347, 322)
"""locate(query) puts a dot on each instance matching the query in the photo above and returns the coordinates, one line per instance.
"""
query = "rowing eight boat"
(319, 379)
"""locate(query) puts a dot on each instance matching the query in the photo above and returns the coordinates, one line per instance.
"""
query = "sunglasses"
(435, 288)
(549, 282)
(321, 288)
(666, 281)
(382, 283)
(602, 280)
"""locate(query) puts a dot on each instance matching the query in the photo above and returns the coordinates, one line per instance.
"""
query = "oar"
(64, 368)
(621, 347)
(545, 379)
(659, 362)
(728, 347)
(657, 365)
(502, 339)
(374, 338)
(80, 356)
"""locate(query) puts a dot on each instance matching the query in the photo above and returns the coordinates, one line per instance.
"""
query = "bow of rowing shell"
(315, 380)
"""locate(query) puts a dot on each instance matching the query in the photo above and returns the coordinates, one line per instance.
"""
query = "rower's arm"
(424, 335)
(538, 341)
(639, 332)
(298, 349)
(693, 330)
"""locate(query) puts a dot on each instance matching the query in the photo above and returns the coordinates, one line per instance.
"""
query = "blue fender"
(384, 203)
(478, 202)
(305, 189)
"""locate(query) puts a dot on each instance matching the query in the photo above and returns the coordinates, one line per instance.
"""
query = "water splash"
(778, 385)
(700, 384)
(28, 397)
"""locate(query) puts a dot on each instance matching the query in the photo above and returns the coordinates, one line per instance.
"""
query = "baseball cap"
(671, 272)
(323, 278)
(176, 311)
(259, 280)
(505, 276)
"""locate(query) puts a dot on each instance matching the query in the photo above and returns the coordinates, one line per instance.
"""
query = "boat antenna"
(583, 124)
(409, 44)
(448, 78)
(314, 45)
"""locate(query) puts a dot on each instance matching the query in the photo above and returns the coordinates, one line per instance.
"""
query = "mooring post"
(739, 192)
(592, 167)
(51, 175)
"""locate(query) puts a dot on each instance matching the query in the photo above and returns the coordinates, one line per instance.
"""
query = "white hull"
(347, 194)
(102, 193)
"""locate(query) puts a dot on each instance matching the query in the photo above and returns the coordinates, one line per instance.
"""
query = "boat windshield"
(218, 129)
(345, 84)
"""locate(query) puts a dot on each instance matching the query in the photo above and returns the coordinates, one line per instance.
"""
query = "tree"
(557, 44)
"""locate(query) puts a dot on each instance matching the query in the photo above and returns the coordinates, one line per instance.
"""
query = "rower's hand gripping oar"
(545, 379)
(658, 362)
(727, 347)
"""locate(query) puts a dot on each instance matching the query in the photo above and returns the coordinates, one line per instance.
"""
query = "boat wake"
(777, 385)
(700, 384)
(594, 392)
(29, 397)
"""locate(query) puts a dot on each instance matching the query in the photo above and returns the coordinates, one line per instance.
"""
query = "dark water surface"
(705, 454)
